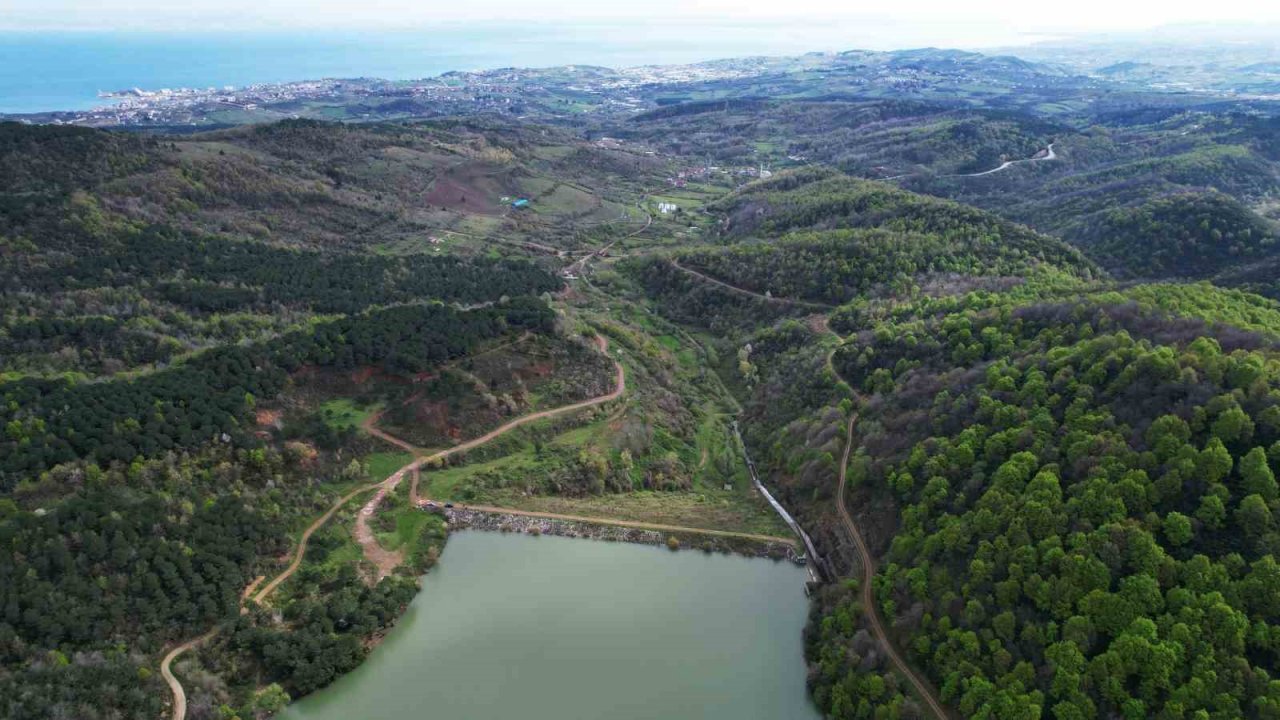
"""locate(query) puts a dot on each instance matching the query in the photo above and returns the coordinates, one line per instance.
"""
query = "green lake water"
(524, 628)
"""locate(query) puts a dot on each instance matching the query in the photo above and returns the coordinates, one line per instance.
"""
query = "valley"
(292, 408)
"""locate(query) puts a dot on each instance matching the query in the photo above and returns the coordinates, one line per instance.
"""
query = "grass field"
(381, 464)
(687, 357)
(685, 202)
(402, 527)
(343, 413)
(715, 462)
(331, 547)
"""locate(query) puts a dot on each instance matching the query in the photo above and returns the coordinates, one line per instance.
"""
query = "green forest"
(1188, 235)
(208, 396)
(1096, 500)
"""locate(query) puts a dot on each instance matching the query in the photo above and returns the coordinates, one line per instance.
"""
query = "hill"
(1185, 235)
(812, 239)
(201, 337)
(1050, 470)
(1104, 158)
(1050, 478)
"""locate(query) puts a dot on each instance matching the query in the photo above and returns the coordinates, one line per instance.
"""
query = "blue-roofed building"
(522, 202)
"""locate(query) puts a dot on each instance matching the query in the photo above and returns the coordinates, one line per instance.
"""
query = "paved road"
(1049, 155)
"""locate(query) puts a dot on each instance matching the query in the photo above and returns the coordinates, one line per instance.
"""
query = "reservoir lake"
(542, 628)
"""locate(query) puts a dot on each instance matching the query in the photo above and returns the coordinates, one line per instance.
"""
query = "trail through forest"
(751, 293)
(867, 560)
(869, 604)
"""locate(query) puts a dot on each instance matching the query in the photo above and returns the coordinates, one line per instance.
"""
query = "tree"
(1212, 511)
(1167, 435)
(1256, 475)
(1254, 516)
(1215, 462)
(269, 701)
(1233, 426)
(1177, 528)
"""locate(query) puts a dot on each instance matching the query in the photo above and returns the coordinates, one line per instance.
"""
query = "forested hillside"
(199, 338)
(866, 138)
(1186, 235)
(1067, 484)
(1086, 487)
(1131, 186)
(814, 238)
(123, 255)
(157, 451)
(49, 422)
(822, 199)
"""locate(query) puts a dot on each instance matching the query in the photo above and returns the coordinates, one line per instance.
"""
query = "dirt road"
(370, 425)
(388, 485)
(383, 560)
(387, 561)
(270, 587)
(166, 671)
(867, 561)
(750, 293)
(638, 524)
(383, 487)
(578, 266)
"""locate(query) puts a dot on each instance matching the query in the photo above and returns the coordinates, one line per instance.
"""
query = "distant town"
(569, 89)
(583, 92)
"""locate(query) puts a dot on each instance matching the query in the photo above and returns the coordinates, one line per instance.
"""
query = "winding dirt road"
(306, 537)
(384, 486)
(413, 469)
(867, 560)
(620, 385)
(388, 485)
(166, 671)
(750, 293)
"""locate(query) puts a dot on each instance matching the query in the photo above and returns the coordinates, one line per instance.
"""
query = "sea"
(45, 71)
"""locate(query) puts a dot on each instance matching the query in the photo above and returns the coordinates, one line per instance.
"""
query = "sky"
(895, 22)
